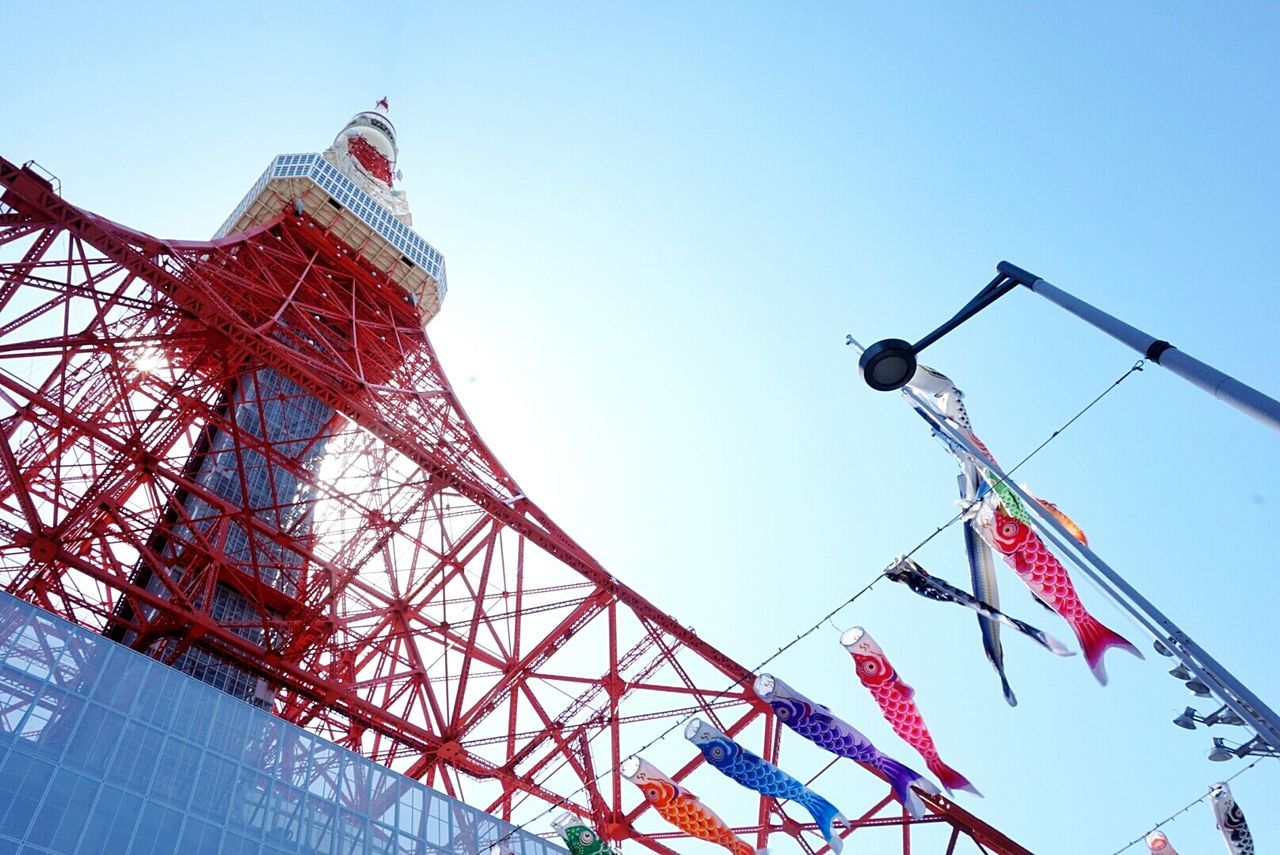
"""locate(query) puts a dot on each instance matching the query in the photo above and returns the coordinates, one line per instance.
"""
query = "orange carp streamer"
(682, 808)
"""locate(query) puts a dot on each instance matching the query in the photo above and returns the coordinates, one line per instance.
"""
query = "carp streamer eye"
(1009, 529)
(586, 838)
(717, 753)
(651, 793)
(784, 713)
(870, 667)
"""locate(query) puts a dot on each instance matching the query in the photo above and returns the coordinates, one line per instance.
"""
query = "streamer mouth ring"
(630, 767)
(765, 686)
(852, 636)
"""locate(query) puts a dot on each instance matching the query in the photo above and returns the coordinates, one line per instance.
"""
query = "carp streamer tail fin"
(901, 779)
(951, 779)
(824, 814)
(1095, 640)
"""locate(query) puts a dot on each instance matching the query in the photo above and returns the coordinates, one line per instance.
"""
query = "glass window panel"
(353, 832)
(319, 817)
(325, 771)
(159, 693)
(158, 831)
(110, 825)
(23, 781)
(411, 810)
(250, 805)
(235, 844)
(284, 823)
(120, 680)
(200, 838)
(197, 712)
(214, 788)
(50, 719)
(41, 644)
(132, 765)
(94, 740)
(175, 777)
(61, 817)
(227, 733)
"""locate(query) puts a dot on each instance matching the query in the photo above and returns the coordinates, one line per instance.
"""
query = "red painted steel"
(441, 623)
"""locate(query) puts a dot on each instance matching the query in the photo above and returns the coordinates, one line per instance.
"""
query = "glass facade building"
(104, 750)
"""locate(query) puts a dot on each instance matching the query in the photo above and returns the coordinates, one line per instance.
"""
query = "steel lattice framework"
(436, 620)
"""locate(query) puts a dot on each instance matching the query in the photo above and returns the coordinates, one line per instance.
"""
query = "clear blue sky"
(660, 222)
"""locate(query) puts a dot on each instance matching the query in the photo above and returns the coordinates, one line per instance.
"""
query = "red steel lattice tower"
(242, 457)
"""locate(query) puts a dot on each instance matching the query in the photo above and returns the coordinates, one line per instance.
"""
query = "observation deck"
(379, 235)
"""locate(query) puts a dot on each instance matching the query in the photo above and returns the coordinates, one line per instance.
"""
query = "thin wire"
(1171, 817)
(1137, 366)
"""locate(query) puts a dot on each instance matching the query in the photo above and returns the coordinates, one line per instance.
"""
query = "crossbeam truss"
(433, 618)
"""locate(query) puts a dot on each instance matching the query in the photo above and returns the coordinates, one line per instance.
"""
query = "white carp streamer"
(1230, 819)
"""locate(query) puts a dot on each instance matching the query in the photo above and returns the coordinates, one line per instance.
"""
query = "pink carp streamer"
(1158, 844)
(897, 702)
(1048, 580)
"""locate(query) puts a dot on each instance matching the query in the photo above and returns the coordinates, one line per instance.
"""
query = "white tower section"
(366, 152)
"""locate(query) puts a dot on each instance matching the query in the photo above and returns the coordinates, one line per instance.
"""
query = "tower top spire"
(382, 106)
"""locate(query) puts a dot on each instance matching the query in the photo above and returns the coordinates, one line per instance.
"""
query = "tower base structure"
(435, 620)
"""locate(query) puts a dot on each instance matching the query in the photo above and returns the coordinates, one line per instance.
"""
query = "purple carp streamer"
(820, 726)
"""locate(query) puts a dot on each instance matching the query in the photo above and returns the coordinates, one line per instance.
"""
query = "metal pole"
(1237, 696)
(1221, 386)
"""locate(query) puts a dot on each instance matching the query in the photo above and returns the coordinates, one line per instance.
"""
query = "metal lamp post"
(889, 364)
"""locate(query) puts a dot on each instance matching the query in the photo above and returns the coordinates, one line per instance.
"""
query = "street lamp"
(1223, 715)
(1220, 751)
(888, 364)
(1253, 748)
(1197, 688)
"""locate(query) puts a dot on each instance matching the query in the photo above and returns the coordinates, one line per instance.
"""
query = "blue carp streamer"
(758, 774)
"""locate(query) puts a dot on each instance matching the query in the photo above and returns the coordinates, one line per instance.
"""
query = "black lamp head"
(888, 365)
(1197, 688)
(1220, 752)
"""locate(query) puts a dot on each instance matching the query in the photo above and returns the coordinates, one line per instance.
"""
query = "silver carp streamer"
(982, 574)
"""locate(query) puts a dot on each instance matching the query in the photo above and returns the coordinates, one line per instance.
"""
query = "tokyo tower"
(242, 457)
